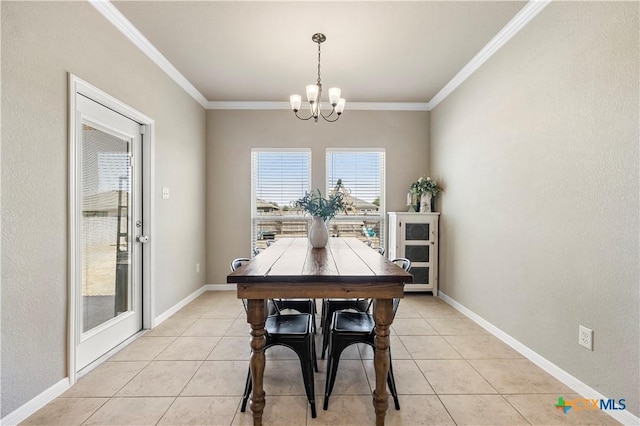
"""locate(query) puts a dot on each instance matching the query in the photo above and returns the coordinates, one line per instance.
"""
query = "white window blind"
(278, 178)
(363, 178)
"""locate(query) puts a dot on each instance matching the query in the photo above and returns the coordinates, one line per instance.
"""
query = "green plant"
(423, 185)
(315, 205)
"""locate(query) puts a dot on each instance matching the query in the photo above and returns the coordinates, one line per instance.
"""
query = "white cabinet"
(415, 236)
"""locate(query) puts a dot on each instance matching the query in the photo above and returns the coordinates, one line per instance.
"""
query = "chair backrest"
(255, 251)
(396, 303)
(403, 262)
(236, 263)
(269, 242)
(381, 251)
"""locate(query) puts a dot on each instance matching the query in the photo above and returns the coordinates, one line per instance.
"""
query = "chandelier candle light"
(314, 93)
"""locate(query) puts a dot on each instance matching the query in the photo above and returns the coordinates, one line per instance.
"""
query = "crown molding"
(113, 15)
(247, 105)
(518, 22)
(351, 106)
(388, 106)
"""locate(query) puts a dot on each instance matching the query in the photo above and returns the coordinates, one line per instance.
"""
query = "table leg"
(383, 316)
(256, 309)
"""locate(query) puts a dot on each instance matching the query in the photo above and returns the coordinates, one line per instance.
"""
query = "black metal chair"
(329, 306)
(294, 331)
(348, 328)
(304, 306)
(236, 263)
(403, 262)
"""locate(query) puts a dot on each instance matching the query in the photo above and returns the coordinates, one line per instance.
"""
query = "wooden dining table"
(346, 268)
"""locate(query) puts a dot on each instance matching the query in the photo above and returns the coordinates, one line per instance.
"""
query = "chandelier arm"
(302, 118)
(331, 121)
(333, 110)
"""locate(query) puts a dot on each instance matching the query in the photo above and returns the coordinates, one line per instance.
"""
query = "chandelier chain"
(318, 64)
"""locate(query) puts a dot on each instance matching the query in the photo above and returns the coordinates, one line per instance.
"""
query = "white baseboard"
(624, 417)
(63, 385)
(184, 302)
(219, 287)
(175, 308)
(36, 403)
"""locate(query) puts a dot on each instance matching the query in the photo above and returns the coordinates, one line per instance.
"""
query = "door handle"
(142, 238)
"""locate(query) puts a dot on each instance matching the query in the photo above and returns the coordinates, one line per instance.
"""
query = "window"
(362, 175)
(278, 177)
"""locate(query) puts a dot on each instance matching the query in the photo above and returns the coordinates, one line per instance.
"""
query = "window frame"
(255, 218)
(381, 216)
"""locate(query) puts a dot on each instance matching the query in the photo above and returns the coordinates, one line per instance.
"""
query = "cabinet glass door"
(417, 231)
(418, 253)
(420, 274)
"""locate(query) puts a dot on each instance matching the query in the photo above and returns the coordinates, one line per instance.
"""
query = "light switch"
(165, 193)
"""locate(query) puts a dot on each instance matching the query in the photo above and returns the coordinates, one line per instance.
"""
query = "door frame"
(79, 86)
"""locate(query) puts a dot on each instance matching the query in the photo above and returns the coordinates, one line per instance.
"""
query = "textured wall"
(538, 152)
(41, 43)
(232, 134)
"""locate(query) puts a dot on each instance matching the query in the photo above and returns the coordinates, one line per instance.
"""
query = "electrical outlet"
(585, 337)
(197, 268)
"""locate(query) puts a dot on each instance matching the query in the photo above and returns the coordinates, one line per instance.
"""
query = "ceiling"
(380, 51)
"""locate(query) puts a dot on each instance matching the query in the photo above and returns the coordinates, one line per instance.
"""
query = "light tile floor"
(191, 370)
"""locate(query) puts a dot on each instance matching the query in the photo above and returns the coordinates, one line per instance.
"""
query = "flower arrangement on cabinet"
(423, 185)
(421, 192)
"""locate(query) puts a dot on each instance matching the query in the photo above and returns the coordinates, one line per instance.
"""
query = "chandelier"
(314, 93)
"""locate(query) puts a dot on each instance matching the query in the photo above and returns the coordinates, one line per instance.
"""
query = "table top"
(345, 268)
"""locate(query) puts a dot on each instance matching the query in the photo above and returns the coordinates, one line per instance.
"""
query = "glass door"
(110, 297)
